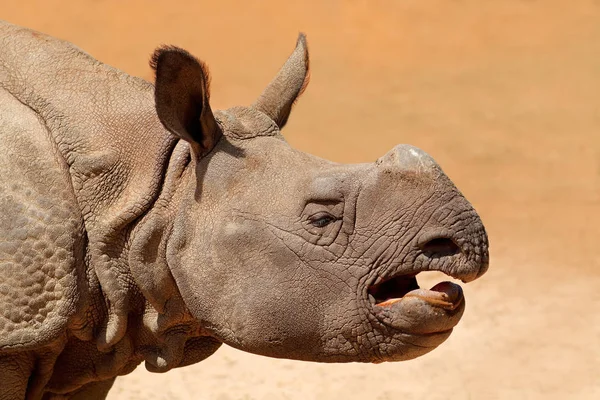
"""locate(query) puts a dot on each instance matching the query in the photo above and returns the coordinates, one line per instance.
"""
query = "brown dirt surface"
(506, 97)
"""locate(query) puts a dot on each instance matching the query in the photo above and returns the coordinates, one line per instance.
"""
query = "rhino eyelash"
(321, 220)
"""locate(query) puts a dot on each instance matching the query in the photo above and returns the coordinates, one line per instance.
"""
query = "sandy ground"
(505, 95)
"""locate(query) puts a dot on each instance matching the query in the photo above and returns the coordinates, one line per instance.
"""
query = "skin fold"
(139, 225)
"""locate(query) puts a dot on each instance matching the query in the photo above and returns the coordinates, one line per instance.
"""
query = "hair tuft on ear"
(303, 42)
(170, 51)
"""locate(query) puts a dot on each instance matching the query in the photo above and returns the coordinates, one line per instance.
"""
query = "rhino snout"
(461, 257)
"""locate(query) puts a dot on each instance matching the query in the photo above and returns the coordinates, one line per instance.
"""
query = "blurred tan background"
(504, 94)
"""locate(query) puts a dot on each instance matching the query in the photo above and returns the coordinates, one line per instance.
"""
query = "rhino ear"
(279, 97)
(181, 96)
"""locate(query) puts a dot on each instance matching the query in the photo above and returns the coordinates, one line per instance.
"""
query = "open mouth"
(393, 289)
(398, 302)
(446, 295)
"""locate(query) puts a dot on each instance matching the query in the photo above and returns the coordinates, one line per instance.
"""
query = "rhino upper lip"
(386, 290)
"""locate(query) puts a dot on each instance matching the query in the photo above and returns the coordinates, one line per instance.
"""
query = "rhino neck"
(159, 328)
(166, 335)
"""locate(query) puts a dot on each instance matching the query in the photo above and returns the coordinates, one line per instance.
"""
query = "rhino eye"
(322, 219)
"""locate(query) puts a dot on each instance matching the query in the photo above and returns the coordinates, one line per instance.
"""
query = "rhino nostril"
(440, 247)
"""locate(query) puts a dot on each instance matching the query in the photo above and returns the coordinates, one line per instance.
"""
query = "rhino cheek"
(287, 304)
(276, 321)
(250, 293)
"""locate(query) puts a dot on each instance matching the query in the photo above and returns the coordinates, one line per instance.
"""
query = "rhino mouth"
(400, 304)
(393, 289)
(401, 292)
(446, 295)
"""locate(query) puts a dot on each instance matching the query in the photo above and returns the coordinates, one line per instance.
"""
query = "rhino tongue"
(446, 295)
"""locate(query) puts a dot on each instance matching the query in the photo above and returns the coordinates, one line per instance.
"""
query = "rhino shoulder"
(41, 233)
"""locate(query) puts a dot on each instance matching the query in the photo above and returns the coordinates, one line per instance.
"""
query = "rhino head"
(284, 254)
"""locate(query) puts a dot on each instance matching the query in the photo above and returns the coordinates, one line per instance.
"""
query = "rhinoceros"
(137, 224)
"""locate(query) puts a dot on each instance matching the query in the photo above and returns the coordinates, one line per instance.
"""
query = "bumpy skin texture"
(136, 224)
(75, 181)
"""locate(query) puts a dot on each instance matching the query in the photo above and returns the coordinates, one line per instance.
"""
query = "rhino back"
(102, 119)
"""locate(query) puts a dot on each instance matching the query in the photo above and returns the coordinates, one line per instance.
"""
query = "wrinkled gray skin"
(122, 241)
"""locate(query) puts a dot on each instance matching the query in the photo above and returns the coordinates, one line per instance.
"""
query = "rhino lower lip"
(444, 295)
